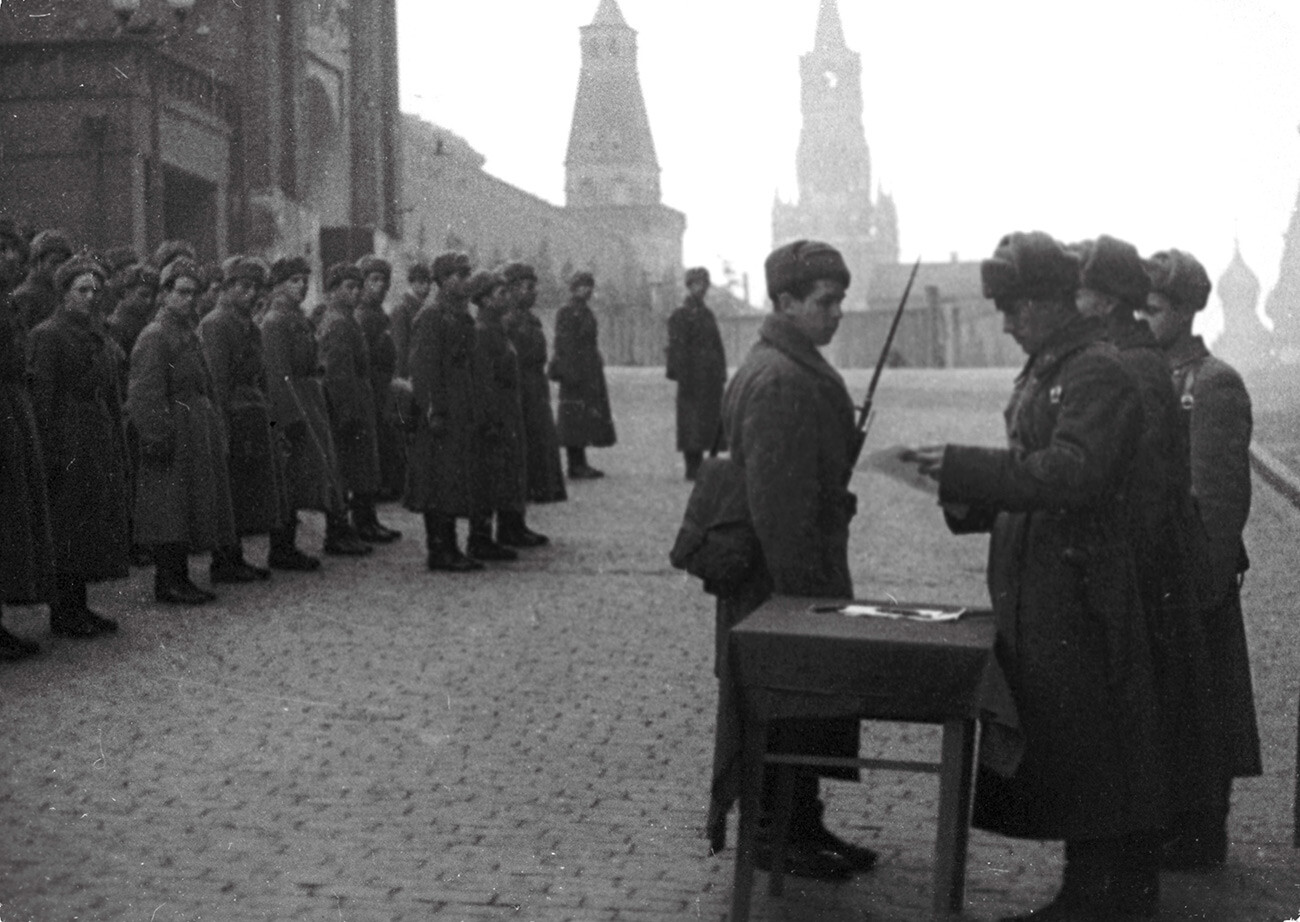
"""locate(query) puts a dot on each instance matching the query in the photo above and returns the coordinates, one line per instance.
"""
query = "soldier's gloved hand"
(436, 423)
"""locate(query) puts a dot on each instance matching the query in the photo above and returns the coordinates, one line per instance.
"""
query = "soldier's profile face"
(698, 287)
(1166, 321)
(1032, 321)
(818, 315)
(1093, 303)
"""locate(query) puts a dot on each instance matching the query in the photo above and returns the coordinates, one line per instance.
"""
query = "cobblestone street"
(376, 742)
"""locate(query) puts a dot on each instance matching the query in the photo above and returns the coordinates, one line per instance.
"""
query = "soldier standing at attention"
(73, 380)
(584, 419)
(541, 442)
(232, 346)
(1216, 410)
(345, 359)
(1073, 637)
(449, 412)
(502, 457)
(789, 420)
(421, 281)
(391, 441)
(697, 362)
(26, 562)
(300, 415)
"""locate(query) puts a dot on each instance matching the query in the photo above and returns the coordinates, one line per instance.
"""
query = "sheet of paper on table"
(907, 612)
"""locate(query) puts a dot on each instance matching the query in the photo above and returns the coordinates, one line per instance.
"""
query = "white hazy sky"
(1165, 122)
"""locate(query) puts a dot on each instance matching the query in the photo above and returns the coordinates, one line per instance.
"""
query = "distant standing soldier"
(232, 346)
(420, 279)
(36, 298)
(585, 419)
(26, 562)
(73, 378)
(502, 467)
(377, 276)
(301, 417)
(136, 303)
(447, 396)
(345, 358)
(541, 441)
(1217, 411)
(182, 493)
(698, 363)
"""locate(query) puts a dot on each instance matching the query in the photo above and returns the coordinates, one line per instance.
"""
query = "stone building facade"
(268, 126)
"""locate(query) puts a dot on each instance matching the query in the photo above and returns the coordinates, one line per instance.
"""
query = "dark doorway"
(190, 211)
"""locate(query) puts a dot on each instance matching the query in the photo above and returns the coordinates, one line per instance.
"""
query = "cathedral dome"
(1239, 286)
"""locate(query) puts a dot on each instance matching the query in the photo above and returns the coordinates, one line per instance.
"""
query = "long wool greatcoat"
(449, 412)
(182, 493)
(698, 363)
(390, 441)
(1168, 559)
(584, 418)
(402, 320)
(1217, 413)
(298, 407)
(345, 358)
(232, 347)
(502, 458)
(1072, 635)
(789, 420)
(73, 380)
(26, 544)
(541, 441)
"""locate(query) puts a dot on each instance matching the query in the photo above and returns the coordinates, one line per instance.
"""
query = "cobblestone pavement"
(375, 742)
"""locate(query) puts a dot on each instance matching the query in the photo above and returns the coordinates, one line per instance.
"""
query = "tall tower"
(833, 162)
(611, 172)
(1245, 341)
(1283, 304)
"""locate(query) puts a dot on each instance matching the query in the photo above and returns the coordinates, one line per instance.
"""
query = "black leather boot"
(513, 532)
(440, 535)
(481, 546)
(171, 580)
(284, 553)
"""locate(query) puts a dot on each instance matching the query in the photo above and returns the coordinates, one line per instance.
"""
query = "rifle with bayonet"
(866, 412)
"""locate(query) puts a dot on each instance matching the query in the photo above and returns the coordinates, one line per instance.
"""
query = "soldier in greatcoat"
(300, 414)
(26, 545)
(502, 467)
(232, 346)
(1165, 527)
(72, 376)
(449, 415)
(1072, 634)
(1216, 412)
(182, 493)
(584, 419)
(420, 278)
(37, 297)
(541, 441)
(789, 421)
(345, 358)
(698, 363)
(377, 275)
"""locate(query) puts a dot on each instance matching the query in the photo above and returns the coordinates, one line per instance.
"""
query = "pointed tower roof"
(608, 14)
(1239, 285)
(830, 30)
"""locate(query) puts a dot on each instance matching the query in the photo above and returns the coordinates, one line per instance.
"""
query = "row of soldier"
(152, 412)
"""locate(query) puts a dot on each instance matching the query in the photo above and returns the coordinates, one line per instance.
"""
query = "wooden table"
(789, 661)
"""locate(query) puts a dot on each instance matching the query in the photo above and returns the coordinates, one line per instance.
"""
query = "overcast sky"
(1166, 123)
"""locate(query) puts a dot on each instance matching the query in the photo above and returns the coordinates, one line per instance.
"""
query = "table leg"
(779, 834)
(954, 815)
(754, 745)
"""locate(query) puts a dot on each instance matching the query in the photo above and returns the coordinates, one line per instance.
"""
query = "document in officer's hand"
(899, 462)
(905, 612)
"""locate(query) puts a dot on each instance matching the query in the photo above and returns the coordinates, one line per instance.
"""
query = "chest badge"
(1054, 395)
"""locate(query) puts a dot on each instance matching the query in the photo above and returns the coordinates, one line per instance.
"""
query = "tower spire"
(830, 30)
(608, 14)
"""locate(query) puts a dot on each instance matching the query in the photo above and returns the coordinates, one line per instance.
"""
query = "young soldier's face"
(817, 315)
(376, 286)
(1167, 322)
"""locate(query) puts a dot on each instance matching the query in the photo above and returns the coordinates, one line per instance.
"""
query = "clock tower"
(833, 162)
